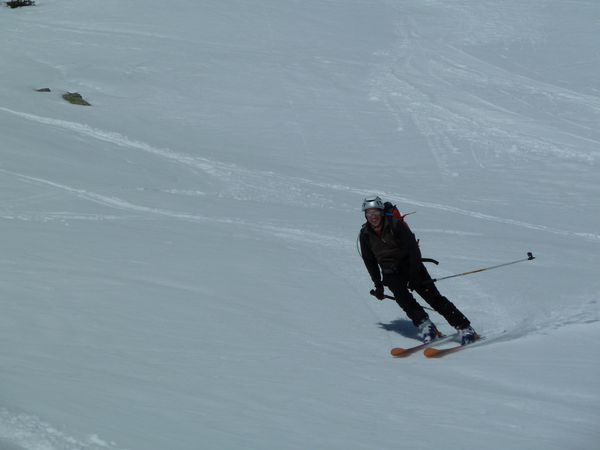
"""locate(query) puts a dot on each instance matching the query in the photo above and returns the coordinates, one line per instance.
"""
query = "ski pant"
(397, 282)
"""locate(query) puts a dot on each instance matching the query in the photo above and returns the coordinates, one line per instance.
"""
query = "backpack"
(391, 210)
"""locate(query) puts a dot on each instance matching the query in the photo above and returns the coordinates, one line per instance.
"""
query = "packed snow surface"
(178, 266)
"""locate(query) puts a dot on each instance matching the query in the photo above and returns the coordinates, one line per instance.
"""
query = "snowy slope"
(179, 268)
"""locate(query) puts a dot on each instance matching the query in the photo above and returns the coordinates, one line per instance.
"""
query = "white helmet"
(372, 202)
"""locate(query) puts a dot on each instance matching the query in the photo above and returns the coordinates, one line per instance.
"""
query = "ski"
(400, 352)
(432, 352)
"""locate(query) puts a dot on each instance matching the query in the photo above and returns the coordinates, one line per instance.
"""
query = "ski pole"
(529, 258)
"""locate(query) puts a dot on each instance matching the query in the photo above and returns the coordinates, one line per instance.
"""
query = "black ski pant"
(397, 282)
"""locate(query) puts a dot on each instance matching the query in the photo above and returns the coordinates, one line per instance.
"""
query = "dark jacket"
(396, 251)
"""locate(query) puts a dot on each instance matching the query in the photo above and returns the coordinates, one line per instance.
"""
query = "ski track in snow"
(120, 204)
(20, 431)
(474, 214)
(466, 107)
(247, 184)
(205, 165)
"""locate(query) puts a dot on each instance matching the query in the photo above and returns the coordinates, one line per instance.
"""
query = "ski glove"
(378, 291)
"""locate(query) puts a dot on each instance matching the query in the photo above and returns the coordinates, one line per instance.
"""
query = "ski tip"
(398, 352)
(432, 352)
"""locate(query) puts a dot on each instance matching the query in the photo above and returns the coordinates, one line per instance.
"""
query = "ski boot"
(467, 335)
(428, 331)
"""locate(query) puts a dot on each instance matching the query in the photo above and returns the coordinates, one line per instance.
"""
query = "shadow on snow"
(403, 327)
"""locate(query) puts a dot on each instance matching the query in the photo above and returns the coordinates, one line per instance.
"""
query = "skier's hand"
(378, 291)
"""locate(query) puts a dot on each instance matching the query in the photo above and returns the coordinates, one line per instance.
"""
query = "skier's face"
(373, 216)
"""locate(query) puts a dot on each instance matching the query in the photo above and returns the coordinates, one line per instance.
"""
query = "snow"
(179, 266)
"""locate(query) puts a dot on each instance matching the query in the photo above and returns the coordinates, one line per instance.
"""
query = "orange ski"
(432, 352)
(400, 352)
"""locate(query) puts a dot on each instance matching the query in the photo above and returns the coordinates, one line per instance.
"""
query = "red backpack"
(391, 210)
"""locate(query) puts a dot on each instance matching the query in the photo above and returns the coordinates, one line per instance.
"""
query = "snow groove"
(464, 106)
(244, 184)
(26, 432)
(206, 165)
(283, 232)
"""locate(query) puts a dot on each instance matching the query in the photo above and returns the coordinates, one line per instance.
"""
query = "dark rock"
(19, 3)
(75, 98)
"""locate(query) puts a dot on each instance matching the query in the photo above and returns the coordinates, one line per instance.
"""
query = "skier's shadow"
(403, 327)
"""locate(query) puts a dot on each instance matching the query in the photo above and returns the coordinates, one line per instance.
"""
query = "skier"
(388, 244)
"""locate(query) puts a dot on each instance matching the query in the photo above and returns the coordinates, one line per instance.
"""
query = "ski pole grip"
(372, 292)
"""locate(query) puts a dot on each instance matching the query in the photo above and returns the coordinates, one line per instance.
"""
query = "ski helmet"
(372, 202)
